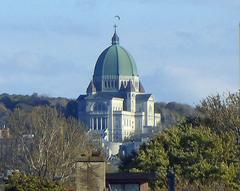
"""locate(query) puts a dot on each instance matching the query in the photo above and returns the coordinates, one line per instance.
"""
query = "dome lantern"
(115, 38)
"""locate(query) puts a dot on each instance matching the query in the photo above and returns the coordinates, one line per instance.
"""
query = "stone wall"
(90, 174)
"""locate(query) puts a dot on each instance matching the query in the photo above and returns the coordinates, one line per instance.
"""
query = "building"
(115, 103)
(129, 181)
(90, 175)
(7, 145)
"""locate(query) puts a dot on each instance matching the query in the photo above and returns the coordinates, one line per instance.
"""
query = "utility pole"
(171, 179)
(239, 54)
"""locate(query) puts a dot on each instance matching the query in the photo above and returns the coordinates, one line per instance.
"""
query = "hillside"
(171, 112)
(26, 102)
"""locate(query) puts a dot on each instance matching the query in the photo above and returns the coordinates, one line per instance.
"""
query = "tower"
(131, 97)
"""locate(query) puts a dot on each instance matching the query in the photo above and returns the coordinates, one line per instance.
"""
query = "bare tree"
(222, 112)
(48, 143)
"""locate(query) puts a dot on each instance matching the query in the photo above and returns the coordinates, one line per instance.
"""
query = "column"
(97, 123)
(92, 123)
(105, 123)
(101, 123)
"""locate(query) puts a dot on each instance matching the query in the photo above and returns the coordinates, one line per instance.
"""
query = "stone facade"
(116, 104)
(90, 174)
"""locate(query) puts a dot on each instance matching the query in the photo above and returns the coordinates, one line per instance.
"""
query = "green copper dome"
(115, 60)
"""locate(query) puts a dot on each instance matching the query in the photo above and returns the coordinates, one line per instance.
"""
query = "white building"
(116, 104)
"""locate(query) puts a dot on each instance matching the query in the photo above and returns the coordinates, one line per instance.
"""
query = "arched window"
(150, 109)
(100, 107)
(136, 84)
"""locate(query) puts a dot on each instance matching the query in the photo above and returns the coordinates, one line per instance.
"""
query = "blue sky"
(184, 50)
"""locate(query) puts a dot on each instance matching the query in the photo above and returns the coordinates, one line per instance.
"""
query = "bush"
(21, 182)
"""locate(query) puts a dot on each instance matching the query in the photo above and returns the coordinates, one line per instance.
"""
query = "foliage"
(185, 185)
(202, 149)
(15, 101)
(128, 162)
(172, 112)
(221, 113)
(4, 114)
(71, 109)
(48, 144)
(182, 109)
(21, 182)
(196, 154)
(27, 103)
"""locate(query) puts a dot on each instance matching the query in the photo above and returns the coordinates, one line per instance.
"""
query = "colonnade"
(98, 123)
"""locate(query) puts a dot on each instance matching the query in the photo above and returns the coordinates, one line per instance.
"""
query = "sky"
(184, 50)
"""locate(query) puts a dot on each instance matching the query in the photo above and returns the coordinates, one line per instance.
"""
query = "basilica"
(115, 104)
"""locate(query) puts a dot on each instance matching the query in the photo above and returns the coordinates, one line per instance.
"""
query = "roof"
(115, 60)
(81, 97)
(126, 177)
(141, 88)
(91, 87)
(143, 97)
(111, 95)
(105, 95)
